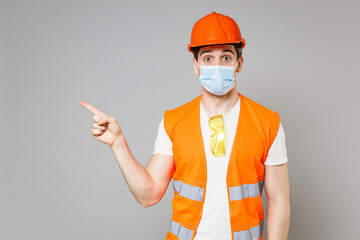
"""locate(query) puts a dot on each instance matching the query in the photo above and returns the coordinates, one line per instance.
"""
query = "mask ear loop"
(236, 66)
(198, 67)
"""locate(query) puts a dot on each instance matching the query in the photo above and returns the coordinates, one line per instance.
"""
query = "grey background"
(130, 60)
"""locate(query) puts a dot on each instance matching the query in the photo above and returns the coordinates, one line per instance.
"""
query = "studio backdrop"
(130, 60)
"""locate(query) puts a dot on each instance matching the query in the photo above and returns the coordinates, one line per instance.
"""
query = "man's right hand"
(105, 129)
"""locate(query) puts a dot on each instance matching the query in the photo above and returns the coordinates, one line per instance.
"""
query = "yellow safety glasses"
(217, 140)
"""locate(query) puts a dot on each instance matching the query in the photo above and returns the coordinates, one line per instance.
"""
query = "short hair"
(237, 46)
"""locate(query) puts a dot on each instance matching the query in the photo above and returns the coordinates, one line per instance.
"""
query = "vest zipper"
(229, 163)
(204, 158)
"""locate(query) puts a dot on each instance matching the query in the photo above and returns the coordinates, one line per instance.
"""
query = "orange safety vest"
(256, 130)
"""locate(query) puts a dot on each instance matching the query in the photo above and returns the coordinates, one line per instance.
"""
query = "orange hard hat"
(215, 28)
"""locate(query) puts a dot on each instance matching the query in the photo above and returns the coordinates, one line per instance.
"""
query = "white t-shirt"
(215, 220)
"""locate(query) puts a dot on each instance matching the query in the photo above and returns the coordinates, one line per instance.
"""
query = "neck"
(214, 104)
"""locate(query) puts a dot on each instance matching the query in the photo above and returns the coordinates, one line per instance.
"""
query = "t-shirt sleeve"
(163, 144)
(277, 153)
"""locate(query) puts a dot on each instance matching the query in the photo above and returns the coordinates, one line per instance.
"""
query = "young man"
(220, 149)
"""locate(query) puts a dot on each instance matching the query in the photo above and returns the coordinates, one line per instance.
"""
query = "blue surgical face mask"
(217, 79)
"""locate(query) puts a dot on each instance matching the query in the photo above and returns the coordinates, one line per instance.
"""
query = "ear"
(240, 64)
(196, 69)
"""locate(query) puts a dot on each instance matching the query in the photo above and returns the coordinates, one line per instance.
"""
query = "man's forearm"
(136, 176)
(278, 220)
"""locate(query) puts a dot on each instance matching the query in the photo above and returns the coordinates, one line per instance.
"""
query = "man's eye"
(207, 58)
(227, 58)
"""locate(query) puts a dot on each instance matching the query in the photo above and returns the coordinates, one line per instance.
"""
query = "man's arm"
(148, 184)
(277, 190)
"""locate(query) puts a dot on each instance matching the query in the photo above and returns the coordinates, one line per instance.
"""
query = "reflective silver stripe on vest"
(245, 191)
(181, 232)
(188, 191)
(253, 233)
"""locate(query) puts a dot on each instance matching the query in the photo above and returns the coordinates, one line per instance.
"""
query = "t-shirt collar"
(232, 111)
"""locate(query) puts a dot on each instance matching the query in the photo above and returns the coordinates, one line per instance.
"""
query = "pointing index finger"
(91, 108)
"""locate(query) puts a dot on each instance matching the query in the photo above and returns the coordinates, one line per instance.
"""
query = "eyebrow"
(227, 50)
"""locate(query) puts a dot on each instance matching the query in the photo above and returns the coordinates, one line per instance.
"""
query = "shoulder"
(268, 120)
(179, 112)
(261, 112)
(173, 117)
(184, 107)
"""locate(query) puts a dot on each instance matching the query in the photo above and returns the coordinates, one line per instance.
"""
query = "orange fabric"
(215, 28)
(256, 130)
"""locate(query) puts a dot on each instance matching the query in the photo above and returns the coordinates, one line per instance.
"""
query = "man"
(220, 149)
